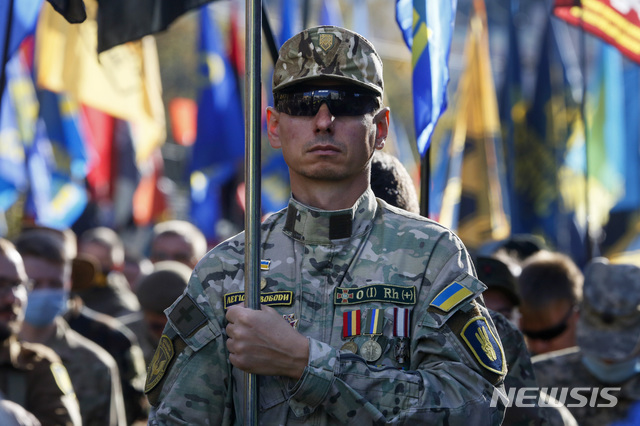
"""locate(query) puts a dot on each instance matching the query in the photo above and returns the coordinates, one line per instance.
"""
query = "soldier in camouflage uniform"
(31, 374)
(608, 352)
(383, 318)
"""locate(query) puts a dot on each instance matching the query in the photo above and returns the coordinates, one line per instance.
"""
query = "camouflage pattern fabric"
(610, 305)
(565, 368)
(328, 51)
(379, 257)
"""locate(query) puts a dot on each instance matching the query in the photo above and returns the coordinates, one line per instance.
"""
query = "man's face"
(47, 275)
(172, 247)
(13, 294)
(327, 147)
(100, 252)
(550, 328)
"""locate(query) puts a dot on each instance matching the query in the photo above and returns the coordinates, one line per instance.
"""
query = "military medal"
(371, 350)
(350, 329)
(401, 331)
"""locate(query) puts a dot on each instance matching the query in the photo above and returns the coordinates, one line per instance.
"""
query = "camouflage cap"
(331, 52)
(609, 325)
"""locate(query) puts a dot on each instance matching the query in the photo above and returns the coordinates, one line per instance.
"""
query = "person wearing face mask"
(608, 347)
(93, 372)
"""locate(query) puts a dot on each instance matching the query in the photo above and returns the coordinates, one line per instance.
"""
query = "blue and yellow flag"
(219, 147)
(427, 28)
(475, 201)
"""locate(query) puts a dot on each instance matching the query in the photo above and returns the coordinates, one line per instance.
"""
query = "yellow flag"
(123, 81)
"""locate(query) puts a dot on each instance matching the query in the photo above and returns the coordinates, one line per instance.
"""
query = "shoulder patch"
(61, 377)
(451, 296)
(187, 316)
(484, 345)
(159, 363)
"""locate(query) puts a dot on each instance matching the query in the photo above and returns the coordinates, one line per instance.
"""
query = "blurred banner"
(427, 28)
(475, 200)
(615, 21)
(123, 82)
(219, 147)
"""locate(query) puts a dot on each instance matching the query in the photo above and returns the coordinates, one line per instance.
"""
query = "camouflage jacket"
(586, 397)
(315, 267)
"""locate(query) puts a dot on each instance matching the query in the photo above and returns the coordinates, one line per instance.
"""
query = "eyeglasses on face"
(307, 103)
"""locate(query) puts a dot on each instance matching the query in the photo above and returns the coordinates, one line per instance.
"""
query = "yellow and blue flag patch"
(452, 294)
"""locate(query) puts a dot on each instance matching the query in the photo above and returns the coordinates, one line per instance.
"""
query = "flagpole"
(252, 184)
(583, 102)
(5, 50)
(425, 177)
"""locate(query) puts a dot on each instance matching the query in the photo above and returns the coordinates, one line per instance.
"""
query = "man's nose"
(324, 119)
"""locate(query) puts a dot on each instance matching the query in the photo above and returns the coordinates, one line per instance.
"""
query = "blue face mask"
(612, 373)
(44, 305)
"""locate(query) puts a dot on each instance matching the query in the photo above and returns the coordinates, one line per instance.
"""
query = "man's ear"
(273, 133)
(382, 127)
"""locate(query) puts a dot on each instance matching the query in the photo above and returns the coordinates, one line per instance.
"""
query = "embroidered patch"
(375, 293)
(452, 294)
(326, 41)
(275, 298)
(61, 376)
(159, 363)
(484, 345)
(187, 316)
(264, 264)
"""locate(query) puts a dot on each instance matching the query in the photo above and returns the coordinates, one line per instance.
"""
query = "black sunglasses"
(551, 332)
(340, 102)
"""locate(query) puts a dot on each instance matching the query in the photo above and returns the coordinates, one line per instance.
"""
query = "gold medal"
(370, 350)
(350, 346)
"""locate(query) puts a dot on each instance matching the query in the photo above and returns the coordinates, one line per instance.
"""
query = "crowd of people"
(371, 314)
(77, 332)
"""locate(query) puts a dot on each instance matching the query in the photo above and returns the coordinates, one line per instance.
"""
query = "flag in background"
(22, 22)
(13, 172)
(427, 28)
(330, 13)
(616, 22)
(219, 147)
(275, 190)
(540, 152)
(511, 105)
(476, 185)
(123, 82)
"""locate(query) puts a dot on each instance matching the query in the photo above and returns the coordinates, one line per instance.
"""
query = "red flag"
(149, 201)
(616, 22)
(100, 127)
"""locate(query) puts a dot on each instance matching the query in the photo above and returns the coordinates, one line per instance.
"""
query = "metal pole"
(252, 184)
(5, 49)
(425, 181)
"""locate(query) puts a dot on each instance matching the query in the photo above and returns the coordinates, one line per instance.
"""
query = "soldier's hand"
(262, 342)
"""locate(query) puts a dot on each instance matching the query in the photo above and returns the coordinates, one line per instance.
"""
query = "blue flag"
(22, 22)
(219, 147)
(427, 28)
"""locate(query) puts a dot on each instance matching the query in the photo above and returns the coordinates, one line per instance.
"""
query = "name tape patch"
(375, 293)
(275, 298)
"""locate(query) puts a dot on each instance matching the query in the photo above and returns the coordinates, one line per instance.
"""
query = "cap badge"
(326, 41)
